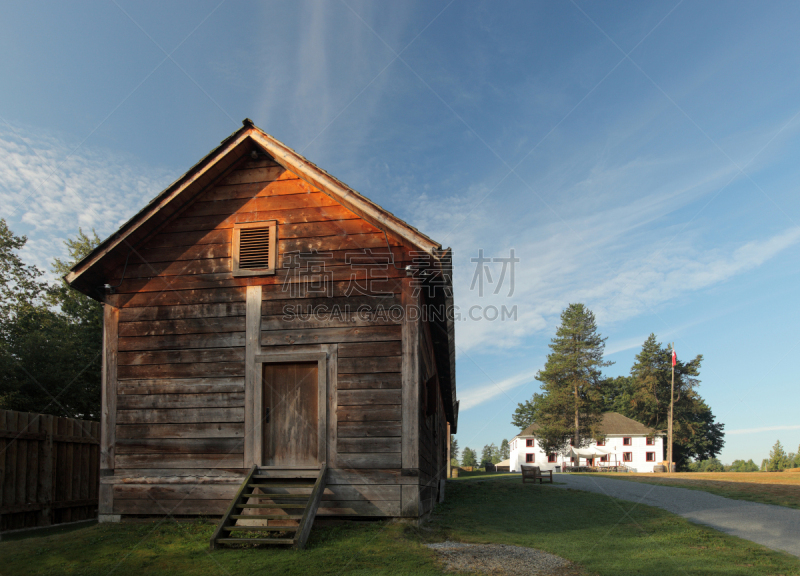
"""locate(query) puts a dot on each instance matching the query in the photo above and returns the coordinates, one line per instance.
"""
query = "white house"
(627, 443)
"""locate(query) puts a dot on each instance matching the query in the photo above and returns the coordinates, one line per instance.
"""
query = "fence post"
(46, 468)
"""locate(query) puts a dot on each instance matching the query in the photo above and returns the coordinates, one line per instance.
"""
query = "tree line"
(778, 461)
(50, 335)
(575, 394)
(490, 454)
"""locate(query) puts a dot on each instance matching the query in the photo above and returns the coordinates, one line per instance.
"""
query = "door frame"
(326, 358)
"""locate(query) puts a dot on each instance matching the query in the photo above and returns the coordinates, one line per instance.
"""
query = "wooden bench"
(533, 473)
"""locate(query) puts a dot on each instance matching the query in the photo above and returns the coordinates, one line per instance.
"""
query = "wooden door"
(291, 414)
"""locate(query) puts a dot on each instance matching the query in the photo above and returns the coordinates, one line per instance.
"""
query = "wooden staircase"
(275, 507)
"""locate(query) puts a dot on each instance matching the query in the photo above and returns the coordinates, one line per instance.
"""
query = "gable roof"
(88, 274)
(612, 424)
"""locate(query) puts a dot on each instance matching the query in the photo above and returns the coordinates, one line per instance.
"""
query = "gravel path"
(775, 527)
(501, 559)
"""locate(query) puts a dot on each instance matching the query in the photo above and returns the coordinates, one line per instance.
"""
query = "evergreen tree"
(50, 336)
(778, 460)
(490, 455)
(526, 412)
(505, 450)
(645, 397)
(468, 457)
(453, 447)
(571, 405)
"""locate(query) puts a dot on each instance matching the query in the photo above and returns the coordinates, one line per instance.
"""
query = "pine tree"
(778, 460)
(468, 457)
(490, 455)
(572, 403)
(505, 450)
(645, 397)
(453, 447)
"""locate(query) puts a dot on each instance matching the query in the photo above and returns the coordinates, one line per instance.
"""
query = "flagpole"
(671, 402)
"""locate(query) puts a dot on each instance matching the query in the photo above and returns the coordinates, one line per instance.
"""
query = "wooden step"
(269, 485)
(270, 505)
(263, 481)
(261, 528)
(265, 517)
(309, 476)
(288, 541)
(278, 496)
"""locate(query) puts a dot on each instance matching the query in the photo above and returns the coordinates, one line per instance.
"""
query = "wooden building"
(259, 312)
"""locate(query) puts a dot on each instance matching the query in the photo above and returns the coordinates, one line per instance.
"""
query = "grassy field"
(779, 488)
(603, 535)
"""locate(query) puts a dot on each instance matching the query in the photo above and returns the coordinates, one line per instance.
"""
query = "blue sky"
(639, 158)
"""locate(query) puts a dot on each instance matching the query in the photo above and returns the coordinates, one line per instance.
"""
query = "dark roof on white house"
(613, 424)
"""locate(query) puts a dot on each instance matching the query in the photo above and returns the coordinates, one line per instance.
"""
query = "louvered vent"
(254, 248)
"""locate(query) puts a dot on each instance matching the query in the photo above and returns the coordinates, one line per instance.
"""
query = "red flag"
(674, 357)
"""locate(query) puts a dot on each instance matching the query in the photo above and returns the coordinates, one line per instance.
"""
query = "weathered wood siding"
(180, 402)
(433, 425)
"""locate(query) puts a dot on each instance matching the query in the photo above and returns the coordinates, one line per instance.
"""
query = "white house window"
(529, 457)
(651, 457)
(254, 248)
(627, 456)
(626, 441)
(529, 443)
(650, 441)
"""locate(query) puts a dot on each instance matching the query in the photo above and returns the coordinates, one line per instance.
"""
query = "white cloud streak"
(764, 429)
(47, 192)
(478, 395)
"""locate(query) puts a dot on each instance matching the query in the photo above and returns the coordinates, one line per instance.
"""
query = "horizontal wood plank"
(178, 341)
(180, 416)
(180, 401)
(368, 349)
(191, 356)
(375, 508)
(172, 507)
(199, 385)
(371, 414)
(185, 326)
(152, 371)
(368, 429)
(386, 380)
(371, 476)
(177, 297)
(181, 311)
(180, 446)
(288, 216)
(160, 475)
(189, 430)
(174, 491)
(179, 460)
(329, 335)
(369, 397)
(362, 445)
(373, 460)
(370, 365)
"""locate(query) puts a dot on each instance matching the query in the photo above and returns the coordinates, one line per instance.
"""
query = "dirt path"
(775, 527)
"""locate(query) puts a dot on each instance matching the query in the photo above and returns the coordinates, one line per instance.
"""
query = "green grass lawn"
(603, 535)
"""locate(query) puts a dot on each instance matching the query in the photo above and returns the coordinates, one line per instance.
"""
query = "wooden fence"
(49, 469)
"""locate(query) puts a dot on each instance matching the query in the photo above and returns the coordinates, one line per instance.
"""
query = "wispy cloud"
(478, 395)
(47, 192)
(763, 429)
